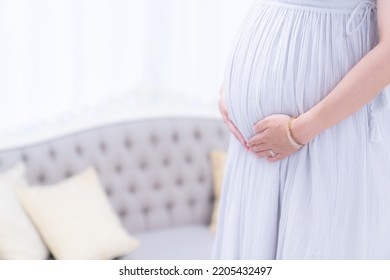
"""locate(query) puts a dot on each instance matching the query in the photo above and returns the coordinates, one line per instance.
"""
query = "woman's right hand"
(228, 122)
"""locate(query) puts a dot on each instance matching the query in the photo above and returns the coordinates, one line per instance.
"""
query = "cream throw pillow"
(218, 161)
(76, 219)
(19, 239)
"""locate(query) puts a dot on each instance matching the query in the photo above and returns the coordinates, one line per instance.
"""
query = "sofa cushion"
(176, 243)
(76, 219)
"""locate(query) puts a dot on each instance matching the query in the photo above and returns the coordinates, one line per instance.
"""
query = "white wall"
(64, 62)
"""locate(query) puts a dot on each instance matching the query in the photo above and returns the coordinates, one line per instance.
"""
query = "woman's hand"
(228, 122)
(271, 134)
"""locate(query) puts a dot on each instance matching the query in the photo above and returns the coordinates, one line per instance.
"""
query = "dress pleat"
(330, 199)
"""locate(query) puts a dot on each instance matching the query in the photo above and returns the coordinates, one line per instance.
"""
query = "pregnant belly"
(283, 65)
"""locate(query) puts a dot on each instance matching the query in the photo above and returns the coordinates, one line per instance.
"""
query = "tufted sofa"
(156, 173)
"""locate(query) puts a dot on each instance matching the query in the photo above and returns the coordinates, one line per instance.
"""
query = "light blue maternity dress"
(331, 199)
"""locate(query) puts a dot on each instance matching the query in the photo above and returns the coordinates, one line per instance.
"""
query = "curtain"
(62, 58)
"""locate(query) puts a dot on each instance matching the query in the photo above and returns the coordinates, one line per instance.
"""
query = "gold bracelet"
(290, 137)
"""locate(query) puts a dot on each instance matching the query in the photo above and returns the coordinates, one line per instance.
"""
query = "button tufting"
(166, 161)
(52, 154)
(78, 150)
(191, 202)
(157, 185)
(103, 147)
(109, 191)
(142, 165)
(197, 134)
(201, 179)
(175, 137)
(68, 173)
(145, 210)
(41, 178)
(132, 189)
(127, 143)
(24, 157)
(122, 213)
(118, 169)
(153, 139)
(169, 205)
(188, 159)
(179, 181)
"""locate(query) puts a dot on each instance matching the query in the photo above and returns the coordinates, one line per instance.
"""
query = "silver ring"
(272, 153)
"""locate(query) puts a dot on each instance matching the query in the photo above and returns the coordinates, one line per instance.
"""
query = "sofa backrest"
(155, 172)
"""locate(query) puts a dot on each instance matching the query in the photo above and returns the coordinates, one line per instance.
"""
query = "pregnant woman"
(307, 98)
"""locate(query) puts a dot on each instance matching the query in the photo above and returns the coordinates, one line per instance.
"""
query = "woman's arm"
(362, 83)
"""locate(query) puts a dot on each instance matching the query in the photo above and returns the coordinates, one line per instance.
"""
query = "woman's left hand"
(271, 134)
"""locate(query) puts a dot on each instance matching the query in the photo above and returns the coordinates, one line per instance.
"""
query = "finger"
(260, 148)
(257, 139)
(261, 125)
(222, 108)
(221, 90)
(237, 134)
(262, 154)
(276, 158)
(223, 111)
(225, 116)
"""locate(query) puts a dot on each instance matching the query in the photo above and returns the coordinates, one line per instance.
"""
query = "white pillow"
(19, 239)
(76, 219)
